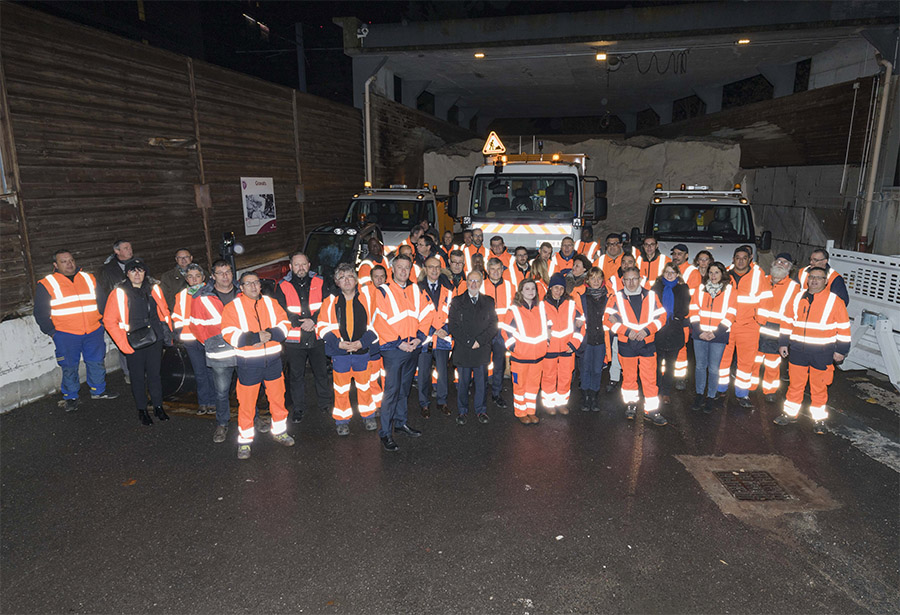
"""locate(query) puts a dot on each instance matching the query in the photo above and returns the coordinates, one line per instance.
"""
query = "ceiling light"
(479, 55)
(743, 41)
(601, 57)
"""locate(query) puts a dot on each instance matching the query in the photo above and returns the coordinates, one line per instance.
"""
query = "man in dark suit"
(472, 324)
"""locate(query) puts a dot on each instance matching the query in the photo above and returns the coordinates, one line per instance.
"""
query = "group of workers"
(435, 312)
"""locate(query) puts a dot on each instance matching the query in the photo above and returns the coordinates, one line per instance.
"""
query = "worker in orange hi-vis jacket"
(754, 295)
(772, 319)
(816, 334)
(691, 276)
(566, 330)
(587, 246)
(499, 251)
(634, 315)
(519, 267)
(561, 262)
(344, 325)
(611, 261)
(650, 261)
(373, 259)
(256, 325)
(525, 331)
(476, 247)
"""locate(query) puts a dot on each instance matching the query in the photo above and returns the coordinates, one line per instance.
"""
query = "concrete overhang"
(545, 66)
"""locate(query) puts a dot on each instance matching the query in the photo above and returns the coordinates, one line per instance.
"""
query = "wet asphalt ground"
(583, 513)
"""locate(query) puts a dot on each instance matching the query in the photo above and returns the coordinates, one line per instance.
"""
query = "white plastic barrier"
(873, 282)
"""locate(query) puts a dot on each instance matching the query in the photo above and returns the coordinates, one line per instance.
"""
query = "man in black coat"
(473, 324)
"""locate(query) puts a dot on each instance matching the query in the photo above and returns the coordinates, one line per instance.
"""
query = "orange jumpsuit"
(773, 318)
(566, 329)
(526, 337)
(754, 293)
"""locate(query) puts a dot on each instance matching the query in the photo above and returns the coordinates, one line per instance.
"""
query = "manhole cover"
(754, 485)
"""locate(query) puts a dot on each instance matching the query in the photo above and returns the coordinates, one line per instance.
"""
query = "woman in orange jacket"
(566, 328)
(137, 319)
(524, 330)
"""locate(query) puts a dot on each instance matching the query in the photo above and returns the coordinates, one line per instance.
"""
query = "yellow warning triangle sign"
(493, 145)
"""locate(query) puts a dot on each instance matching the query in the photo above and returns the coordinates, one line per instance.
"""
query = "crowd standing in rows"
(469, 313)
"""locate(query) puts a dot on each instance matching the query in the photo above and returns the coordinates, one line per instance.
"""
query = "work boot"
(709, 405)
(819, 427)
(461, 419)
(106, 395)
(770, 398)
(679, 384)
(563, 408)
(587, 398)
(145, 417)
(483, 418)
(500, 402)
(426, 412)
(343, 429)
(612, 386)
(698, 402)
(219, 433)
(595, 397)
(744, 402)
(656, 418)
(160, 413)
(244, 451)
(630, 411)
(285, 440)
(71, 405)
(784, 419)
(296, 416)
(370, 423)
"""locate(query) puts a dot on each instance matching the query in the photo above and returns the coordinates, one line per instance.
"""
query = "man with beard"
(774, 316)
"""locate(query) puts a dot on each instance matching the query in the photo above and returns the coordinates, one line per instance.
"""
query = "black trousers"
(144, 367)
(296, 359)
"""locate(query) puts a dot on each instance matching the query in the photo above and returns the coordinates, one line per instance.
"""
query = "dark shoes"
(587, 399)
(389, 445)
(500, 403)
(666, 399)
(709, 405)
(697, 406)
(744, 402)
(656, 418)
(145, 417)
(630, 411)
(612, 386)
(106, 395)
(680, 384)
(296, 417)
(819, 427)
(71, 405)
(770, 398)
(160, 413)
(445, 409)
(409, 431)
(426, 412)
(483, 418)
(461, 419)
(783, 419)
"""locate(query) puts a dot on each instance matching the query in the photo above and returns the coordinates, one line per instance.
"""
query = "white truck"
(715, 220)
(395, 210)
(528, 198)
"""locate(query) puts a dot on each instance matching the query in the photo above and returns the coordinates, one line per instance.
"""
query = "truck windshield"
(524, 196)
(702, 221)
(390, 214)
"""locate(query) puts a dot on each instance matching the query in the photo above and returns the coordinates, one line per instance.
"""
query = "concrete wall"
(846, 61)
(632, 167)
(28, 368)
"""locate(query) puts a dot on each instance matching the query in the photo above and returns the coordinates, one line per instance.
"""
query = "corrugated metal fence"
(78, 112)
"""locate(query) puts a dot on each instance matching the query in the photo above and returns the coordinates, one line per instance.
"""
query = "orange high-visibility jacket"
(754, 293)
(691, 276)
(294, 304)
(816, 327)
(774, 314)
(472, 250)
(401, 314)
(116, 317)
(610, 266)
(565, 326)
(328, 326)
(650, 270)
(242, 321)
(526, 332)
(364, 272)
(590, 249)
(502, 294)
(652, 319)
(73, 303)
(559, 264)
(713, 314)
(181, 316)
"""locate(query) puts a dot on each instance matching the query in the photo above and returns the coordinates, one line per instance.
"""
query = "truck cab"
(528, 198)
(395, 210)
(714, 220)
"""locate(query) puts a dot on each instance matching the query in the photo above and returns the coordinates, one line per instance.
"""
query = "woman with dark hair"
(137, 319)
(566, 334)
(675, 297)
(594, 353)
(524, 330)
(702, 261)
(713, 309)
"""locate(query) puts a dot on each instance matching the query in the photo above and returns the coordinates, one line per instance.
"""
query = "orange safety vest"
(364, 272)
(590, 249)
(832, 275)
(328, 320)
(774, 314)
(610, 266)
(709, 312)
(502, 294)
(650, 270)
(504, 257)
(754, 293)
(691, 276)
(401, 313)
(559, 264)
(295, 306)
(525, 332)
(181, 316)
(470, 251)
(821, 323)
(244, 315)
(653, 316)
(565, 326)
(116, 316)
(73, 303)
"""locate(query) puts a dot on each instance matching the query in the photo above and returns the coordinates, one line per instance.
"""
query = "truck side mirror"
(765, 241)
(453, 200)
(635, 236)
(601, 204)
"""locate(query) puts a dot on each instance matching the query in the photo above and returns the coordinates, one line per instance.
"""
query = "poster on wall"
(258, 195)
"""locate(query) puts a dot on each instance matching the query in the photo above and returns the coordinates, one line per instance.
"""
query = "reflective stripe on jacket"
(73, 303)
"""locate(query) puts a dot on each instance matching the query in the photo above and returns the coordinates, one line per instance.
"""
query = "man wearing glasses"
(834, 283)
(815, 335)
(650, 261)
(612, 260)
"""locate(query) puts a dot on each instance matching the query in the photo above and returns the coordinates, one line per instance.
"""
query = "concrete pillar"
(712, 97)
(442, 104)
(301, 57)
(411, 91)
(664, 111)
(363, 68)
(781, 77)
(630, 121)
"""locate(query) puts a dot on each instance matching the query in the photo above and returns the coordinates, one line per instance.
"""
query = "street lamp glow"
(601, 57)
(479, 55)
(743, 41)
